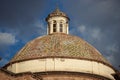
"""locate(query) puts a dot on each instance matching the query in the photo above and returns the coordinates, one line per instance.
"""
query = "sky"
(96, 21)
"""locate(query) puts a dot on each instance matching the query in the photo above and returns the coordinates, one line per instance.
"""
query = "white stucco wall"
(62, 64)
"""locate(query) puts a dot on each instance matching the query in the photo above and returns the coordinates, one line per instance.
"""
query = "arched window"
(54, 26)
(61, 27)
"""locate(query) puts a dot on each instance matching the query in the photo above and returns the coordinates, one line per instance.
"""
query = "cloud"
(82, 28)
(112, 48)
(88, 32)
(112, 52)
(7, 39)
(96, 33)
(42, 28)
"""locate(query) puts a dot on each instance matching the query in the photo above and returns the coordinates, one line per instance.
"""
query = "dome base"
(67, 76)
(62, 64)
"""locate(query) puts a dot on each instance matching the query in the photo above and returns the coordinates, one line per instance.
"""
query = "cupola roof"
(57, 12)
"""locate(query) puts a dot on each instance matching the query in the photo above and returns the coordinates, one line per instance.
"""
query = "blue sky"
(96, 21)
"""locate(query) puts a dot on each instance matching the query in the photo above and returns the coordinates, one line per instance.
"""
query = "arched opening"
(54, 26)
(61, 27)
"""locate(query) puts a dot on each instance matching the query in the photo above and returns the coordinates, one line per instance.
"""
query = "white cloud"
(82, 28)
(7, 38)
(41, 27)
(95, 33)
(39, 24)
(112, 48)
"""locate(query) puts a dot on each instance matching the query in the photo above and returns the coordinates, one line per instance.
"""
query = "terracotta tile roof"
(58, 45)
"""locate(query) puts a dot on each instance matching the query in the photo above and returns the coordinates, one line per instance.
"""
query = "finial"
(57, 5)
(57, 8)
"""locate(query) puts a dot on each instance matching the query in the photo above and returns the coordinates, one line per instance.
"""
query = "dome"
(49, 56)
(57, 12)
(58, 45)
